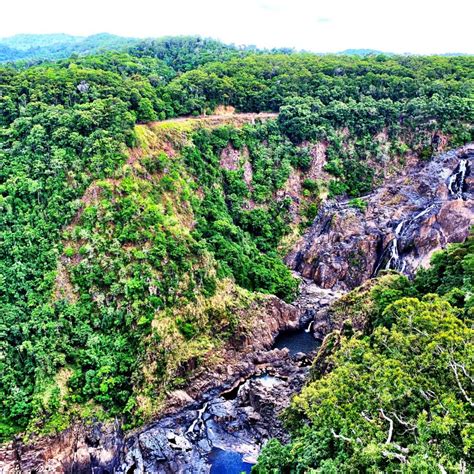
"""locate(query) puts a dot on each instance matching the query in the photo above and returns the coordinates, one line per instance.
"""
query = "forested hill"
(29, 48)
(108, 228)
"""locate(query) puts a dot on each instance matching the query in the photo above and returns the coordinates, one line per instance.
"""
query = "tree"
(298, 118)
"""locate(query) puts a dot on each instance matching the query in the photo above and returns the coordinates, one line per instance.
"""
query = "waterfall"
(456, 181)
(394, 260)
(309, 327)
(399, 228)
(198, 420)
(394, 255)
(425, 211)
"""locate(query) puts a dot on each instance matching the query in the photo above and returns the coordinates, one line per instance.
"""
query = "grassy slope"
(196, 312)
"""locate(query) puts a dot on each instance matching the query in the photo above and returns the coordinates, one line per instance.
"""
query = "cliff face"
(79, 449)
(404, 222)
(103, 448)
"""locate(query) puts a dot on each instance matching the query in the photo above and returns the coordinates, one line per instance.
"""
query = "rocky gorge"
(398, 226)
(231, 409)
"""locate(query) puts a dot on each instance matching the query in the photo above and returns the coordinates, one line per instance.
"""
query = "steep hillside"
(144, 261)
(162, 261)
(202, 209)
(391, 387)
(417, 211)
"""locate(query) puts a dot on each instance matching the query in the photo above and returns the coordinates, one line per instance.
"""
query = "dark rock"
(407, 219)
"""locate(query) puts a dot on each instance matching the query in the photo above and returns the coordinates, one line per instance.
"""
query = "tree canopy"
(399, 398)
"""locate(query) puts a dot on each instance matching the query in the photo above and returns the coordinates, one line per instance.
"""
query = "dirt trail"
(217, 119)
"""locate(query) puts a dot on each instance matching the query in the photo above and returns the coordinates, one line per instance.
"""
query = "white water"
(309, 327)
(268, 380)
(422, 213)
(399, 229)
(393, 261)
(452, 180)
(455, 187)
(394, 256)
(198, 419)
(456, 181)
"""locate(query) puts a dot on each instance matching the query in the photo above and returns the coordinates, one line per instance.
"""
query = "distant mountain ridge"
(362, 52)
(370, 52)
(33, 47)
(24, 42)
(58, 46)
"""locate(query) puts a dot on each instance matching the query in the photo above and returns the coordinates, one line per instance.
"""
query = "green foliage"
(358, 203)
(451, 273)
(243, 241)
(336, 188)
(185, 53)
(187, 328)
(309, 213)
(399, 397)
(133, 268)
(299, 118)
(311, 185)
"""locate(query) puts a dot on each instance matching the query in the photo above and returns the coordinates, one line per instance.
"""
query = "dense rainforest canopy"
(399, 397)
(96, 244)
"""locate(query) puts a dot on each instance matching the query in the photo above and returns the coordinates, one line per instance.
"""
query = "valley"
(223, 415)
(215, 256)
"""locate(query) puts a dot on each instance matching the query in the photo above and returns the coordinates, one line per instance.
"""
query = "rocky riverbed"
(225, 414)
(235, 422)
(230, 407)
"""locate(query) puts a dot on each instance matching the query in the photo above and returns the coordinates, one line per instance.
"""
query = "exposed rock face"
(234, 404)
(406, 220)
(317, 152)
(240, 419)
(167, 446)
(314, 303)
(237, 359)
(230, 158)
(80, 449)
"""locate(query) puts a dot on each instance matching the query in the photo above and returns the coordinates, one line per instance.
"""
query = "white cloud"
(417, 26)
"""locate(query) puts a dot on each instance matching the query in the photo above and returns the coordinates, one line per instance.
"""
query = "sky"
(399, 26)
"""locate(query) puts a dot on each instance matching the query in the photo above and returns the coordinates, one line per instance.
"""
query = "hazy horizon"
(401, 27)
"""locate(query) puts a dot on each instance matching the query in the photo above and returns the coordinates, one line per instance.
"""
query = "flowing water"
(268, 380)
(456, 181)
(395, 262)
(198, 421)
